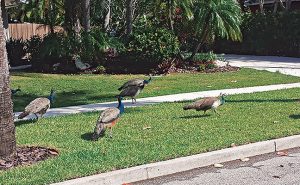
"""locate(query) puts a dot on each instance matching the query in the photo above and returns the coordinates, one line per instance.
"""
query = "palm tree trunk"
(203, 38)
(86, 16)
(5, 19)
(129, 9)
(7, 127)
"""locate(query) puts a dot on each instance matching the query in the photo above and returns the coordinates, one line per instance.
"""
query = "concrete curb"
(160, 99)
(181, 164)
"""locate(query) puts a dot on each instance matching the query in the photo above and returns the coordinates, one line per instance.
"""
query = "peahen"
(14, 91)
(107, 119)
(207, 103)
(135, 82)
(131, 91)
(38, 106)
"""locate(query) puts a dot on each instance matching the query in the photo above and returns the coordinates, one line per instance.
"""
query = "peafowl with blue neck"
(38, 106)
(15, 91)
(207, 103)
(107, 119)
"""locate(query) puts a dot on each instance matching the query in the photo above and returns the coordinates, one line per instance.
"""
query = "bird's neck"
(51, 98)
(147, 81)
(222, 100)
(121, 107)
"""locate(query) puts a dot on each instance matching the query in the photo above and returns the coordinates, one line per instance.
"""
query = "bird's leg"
(132, 100)
(204, 112)
(36, 116)
(110, 132)
(216, 112)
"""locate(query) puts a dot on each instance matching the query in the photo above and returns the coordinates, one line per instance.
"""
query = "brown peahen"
(131, 91)
(135, 82)
(107, 119)
(38, 106)
(207, 103)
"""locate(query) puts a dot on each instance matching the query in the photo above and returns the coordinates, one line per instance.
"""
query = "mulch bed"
(222, 69)
(28, 156)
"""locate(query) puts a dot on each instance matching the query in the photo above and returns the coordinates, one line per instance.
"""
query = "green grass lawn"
(85, 89)
(174, 132)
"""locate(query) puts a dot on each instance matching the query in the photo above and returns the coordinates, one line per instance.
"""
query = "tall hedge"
(266, 34)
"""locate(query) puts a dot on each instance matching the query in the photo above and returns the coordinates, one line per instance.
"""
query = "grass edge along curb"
(181, 164)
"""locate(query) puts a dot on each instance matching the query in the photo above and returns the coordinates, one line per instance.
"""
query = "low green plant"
(100, 69)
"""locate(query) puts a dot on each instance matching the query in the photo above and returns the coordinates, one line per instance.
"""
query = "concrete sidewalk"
(160, 99)
(284, 65)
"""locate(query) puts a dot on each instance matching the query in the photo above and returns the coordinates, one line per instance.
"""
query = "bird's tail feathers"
(23, 115)
(187, 107)
(120, 88)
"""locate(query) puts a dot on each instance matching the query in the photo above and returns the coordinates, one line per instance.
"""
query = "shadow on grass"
(25, 122)
(87, 136)
(262, 101)
(295, 116)
(195, 116)
(62, 99)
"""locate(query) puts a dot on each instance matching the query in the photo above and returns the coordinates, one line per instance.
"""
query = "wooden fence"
(25, 31)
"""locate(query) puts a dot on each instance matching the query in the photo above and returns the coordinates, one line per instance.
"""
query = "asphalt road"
(268, 169)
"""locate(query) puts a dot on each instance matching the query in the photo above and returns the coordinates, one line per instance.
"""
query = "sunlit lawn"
(85, 89)
(173, 133)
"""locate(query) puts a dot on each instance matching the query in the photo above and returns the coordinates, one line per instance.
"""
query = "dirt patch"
(27, 156)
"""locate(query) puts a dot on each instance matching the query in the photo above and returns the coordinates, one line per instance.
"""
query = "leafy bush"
(95, 43)
(267, 34)
(156, 44)
(60, 48)
(15, 51)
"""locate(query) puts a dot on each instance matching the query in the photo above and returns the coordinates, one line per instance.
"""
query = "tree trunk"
(7, 127)
(129, 9)
(86, 16)
(276, 2)
(261, 6)
(107, 15)
(275, 6)
(288, 4)
(170, 14)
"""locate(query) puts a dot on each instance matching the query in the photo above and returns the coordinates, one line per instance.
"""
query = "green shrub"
(33, 46)
(267, 34)
(61, 48)
(156, 44)
(15, 51)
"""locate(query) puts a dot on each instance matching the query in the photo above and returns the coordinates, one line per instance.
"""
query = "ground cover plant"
(170, 130)
(85, 89)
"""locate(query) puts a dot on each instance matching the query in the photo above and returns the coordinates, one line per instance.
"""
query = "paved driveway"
(268, 169)
(285, 65)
